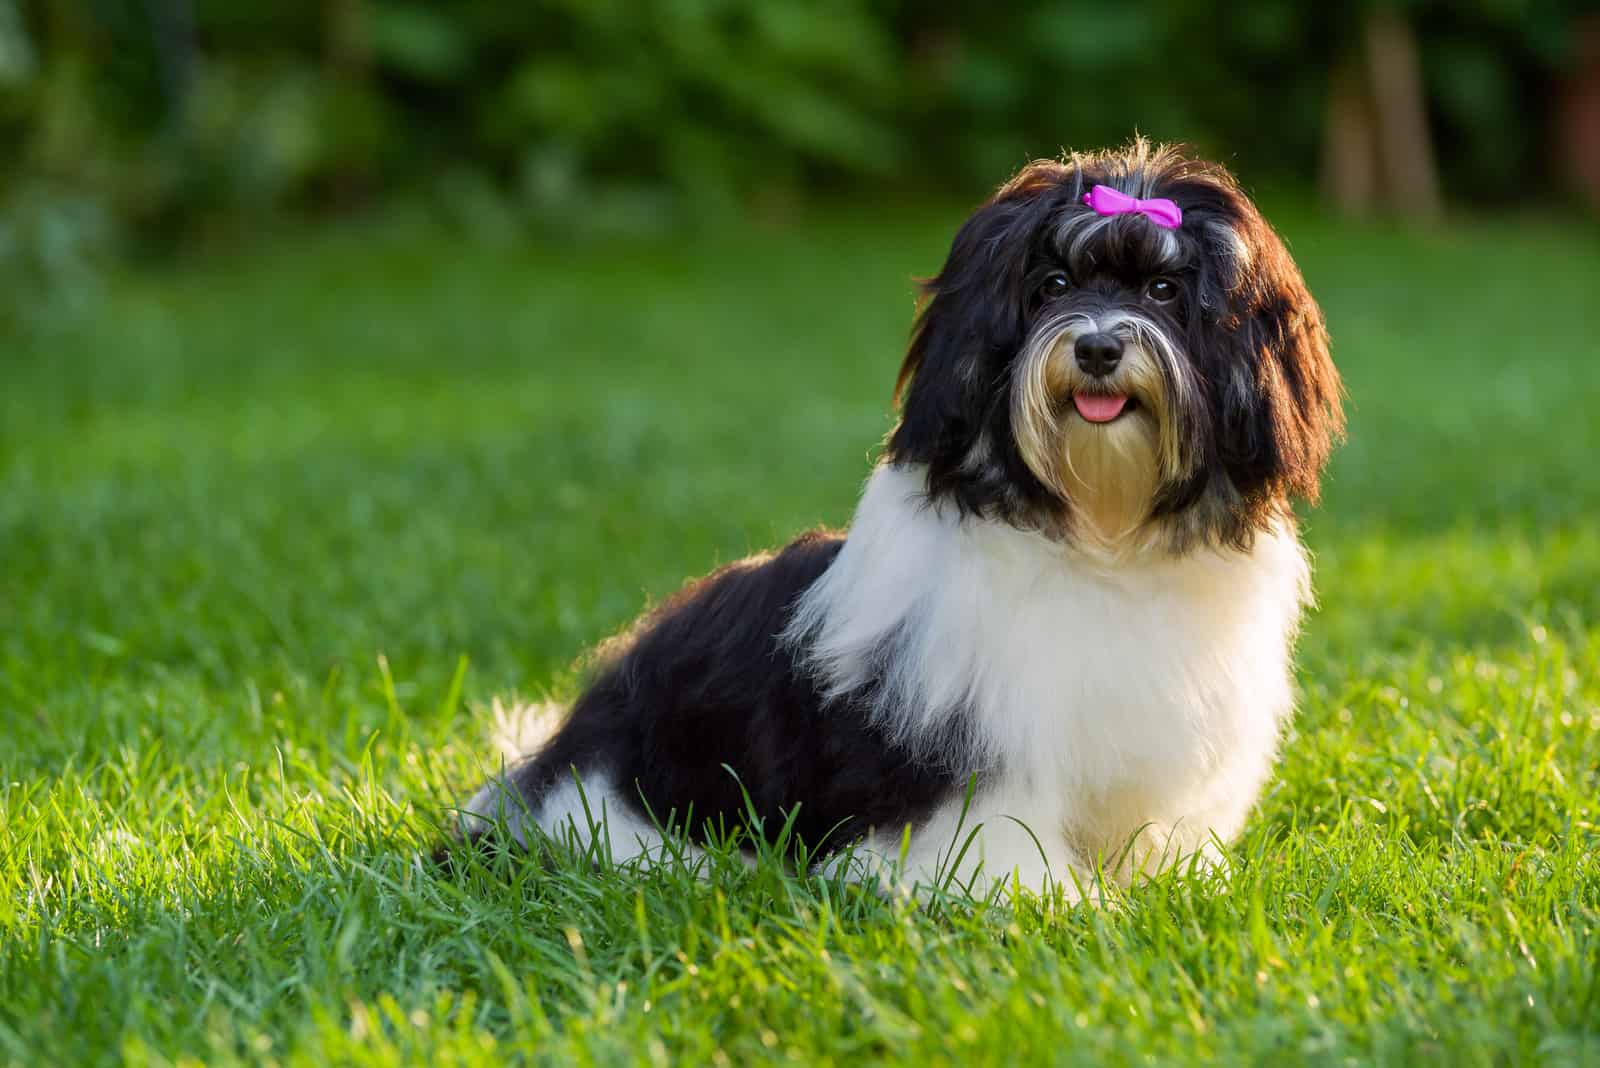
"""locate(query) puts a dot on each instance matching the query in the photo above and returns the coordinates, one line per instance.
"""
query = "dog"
(1055, 644)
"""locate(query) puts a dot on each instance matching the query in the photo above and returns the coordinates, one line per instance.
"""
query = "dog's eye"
(1161, 290)
(1055, 284)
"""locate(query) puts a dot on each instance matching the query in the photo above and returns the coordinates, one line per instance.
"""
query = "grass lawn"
(275, 528)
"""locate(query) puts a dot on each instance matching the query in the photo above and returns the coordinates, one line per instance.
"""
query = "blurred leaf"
(986, 82)
(420, 42)
(1088, 36)
(1469, 80)
(17, 60)
(846, 41)
(259, 134)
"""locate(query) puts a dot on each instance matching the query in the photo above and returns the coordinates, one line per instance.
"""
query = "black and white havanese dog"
(1057, 635)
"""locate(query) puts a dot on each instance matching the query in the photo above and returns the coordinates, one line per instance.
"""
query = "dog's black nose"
(1098, 354)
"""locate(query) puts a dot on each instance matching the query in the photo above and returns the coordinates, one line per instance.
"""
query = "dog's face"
(1103, 379)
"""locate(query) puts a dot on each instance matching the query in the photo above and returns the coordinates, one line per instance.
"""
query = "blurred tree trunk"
(1350, 160)
(1577, 134)
(1377, 147)
(1402, 111)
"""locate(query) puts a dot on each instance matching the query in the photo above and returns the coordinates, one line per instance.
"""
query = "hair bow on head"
(1107, 201)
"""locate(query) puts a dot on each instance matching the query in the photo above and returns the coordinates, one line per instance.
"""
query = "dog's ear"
(972, 320)
(1276, 393)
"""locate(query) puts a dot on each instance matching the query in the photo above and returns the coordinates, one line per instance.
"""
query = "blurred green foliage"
(168, 121)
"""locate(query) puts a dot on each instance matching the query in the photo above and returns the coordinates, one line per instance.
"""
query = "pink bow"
(1107, 201)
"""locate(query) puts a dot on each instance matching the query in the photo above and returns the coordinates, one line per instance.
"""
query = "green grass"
(256, 514)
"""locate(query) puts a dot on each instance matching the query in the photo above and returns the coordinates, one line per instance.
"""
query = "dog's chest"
(1074, 675)
(1100, 680)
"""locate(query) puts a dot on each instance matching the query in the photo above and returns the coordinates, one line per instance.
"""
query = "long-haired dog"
(1058, 633)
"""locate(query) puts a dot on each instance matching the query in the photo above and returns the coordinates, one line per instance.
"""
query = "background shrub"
(153, 123)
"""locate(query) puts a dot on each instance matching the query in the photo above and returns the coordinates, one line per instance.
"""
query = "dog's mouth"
(1104, 407)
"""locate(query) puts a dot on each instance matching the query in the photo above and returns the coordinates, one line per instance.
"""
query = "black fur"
(704, 682)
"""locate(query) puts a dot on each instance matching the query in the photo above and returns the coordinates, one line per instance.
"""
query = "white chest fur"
(1103, 699)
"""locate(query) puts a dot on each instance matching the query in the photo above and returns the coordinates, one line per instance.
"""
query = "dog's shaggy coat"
(1061, 622)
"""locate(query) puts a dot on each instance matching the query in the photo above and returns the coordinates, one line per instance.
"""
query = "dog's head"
(1106, 379)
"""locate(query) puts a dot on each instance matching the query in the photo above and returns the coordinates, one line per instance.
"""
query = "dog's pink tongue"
(1098, 407)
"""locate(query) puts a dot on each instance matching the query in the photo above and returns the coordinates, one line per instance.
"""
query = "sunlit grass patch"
(254, 517)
